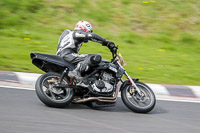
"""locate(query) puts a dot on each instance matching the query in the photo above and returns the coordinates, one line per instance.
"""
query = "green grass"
(159, 40)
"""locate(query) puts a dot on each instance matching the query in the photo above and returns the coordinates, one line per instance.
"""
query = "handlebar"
(114, 53)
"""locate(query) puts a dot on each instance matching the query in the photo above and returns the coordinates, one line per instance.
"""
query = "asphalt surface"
(22, 112)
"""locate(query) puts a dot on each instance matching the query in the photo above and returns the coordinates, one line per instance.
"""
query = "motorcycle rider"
(70, 43)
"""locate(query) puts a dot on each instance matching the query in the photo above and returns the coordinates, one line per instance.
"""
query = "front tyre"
(137, 103)
(51, 96)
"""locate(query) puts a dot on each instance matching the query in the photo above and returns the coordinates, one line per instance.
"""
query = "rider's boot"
(83, 66)
(76, 73)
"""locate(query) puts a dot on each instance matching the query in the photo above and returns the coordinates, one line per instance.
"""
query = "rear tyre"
(51, 96)
(137, 103)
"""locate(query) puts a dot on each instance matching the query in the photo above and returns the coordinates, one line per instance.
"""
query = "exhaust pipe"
(100, 99)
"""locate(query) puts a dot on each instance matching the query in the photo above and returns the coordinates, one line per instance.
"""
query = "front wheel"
(137, 103)
(49, 94)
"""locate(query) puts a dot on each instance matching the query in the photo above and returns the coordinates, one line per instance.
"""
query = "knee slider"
(96, 59)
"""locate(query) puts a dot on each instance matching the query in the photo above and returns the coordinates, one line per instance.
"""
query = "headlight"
(121, 59)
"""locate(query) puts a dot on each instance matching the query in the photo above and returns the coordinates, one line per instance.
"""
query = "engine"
(104, 84)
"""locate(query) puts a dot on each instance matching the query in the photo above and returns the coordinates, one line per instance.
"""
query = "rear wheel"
(50, 95)
(137, 103)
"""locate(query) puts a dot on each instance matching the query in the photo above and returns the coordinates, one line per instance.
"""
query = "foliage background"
(158, 39)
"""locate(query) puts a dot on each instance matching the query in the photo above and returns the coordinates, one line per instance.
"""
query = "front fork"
(133, 85)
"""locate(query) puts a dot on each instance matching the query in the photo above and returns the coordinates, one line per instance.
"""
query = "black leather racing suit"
(70, 43)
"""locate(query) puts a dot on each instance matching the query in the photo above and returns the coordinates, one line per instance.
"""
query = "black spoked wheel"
(139, 103)
(49, 94)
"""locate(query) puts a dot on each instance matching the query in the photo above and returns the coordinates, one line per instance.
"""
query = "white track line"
(164, 98)
(19, 88)
(178, 100)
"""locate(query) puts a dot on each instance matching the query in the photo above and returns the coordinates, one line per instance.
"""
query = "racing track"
(22, 112)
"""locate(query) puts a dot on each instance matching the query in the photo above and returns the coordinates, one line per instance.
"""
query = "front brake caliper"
(132, 90)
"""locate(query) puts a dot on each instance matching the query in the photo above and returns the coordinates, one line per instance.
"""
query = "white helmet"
(86, 26)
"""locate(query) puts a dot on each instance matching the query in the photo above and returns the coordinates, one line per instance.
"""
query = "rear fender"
(50, 63)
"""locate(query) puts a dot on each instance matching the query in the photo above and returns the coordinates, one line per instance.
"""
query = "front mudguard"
(127, 82)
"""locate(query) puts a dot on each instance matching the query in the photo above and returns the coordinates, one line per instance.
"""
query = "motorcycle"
(99, 88)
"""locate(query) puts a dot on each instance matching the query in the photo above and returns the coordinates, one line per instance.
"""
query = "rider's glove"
(114, 50)
(110, 45)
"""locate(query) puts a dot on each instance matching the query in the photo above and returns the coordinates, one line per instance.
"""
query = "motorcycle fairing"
(50, 63)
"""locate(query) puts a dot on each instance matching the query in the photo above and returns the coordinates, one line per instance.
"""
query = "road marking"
(196, 90)
(27, 77)
(19, 88)
(158, 89)
(162, 98)
(178, 100)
